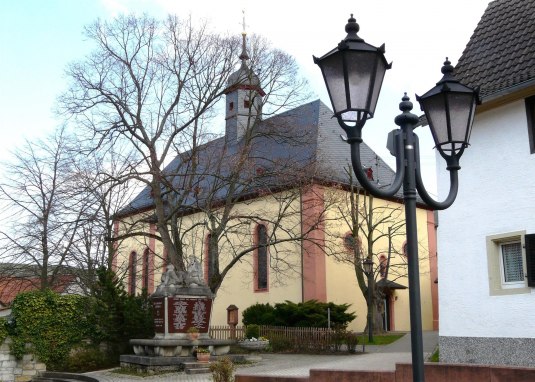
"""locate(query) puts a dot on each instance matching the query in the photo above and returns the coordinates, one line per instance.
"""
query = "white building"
(486, 240)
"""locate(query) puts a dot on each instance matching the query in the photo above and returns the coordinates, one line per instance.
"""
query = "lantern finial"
(352, 29)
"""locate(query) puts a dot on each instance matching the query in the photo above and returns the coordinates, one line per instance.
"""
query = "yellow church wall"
(238, 285)
(342, 286)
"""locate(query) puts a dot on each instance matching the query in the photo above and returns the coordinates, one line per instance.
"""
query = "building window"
(530, 114)
(146, 270)
(132, 266)
(231, 106)
(509, 258)
(512, 263)
(351, 243)
(261, 259)
(246, 103)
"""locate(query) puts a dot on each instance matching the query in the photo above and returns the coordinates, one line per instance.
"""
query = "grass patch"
(384, 339)
(434, 357)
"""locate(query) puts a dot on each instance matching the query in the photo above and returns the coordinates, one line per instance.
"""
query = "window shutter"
(530, 259)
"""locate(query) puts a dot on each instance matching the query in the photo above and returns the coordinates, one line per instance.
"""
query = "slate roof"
(307, 138)
(501, 52)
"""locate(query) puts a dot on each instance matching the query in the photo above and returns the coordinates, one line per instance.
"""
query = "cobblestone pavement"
(295, 365)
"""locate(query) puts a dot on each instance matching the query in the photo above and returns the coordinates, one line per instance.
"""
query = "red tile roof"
(10, 287)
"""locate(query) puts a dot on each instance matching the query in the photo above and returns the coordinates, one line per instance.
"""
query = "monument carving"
(180, 302)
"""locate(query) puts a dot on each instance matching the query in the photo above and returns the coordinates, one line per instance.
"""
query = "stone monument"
(182, 301)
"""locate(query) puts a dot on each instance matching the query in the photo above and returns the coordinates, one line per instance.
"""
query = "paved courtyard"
(375, 358)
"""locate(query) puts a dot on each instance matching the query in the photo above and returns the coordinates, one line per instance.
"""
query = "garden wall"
(13, 370)
(434, 372)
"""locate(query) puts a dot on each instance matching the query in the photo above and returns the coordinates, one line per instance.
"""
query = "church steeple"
(243, 97)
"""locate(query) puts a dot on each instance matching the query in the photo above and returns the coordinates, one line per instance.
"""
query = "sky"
(39, 38)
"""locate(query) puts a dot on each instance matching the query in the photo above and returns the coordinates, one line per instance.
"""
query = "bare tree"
(154, 87)
(97, 176)
(42, 214)
(372, 229)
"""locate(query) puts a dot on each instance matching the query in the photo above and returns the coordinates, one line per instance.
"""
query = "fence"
(282, 338)
(302, 339)
(225, 332)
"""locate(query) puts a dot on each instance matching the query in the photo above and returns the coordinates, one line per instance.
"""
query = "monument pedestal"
(178, 348)
(180, 302)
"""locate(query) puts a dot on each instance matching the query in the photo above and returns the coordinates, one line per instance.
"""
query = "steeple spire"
(243, 56)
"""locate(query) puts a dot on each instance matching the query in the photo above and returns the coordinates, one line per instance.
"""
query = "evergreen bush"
(117, 316)
(252, 331)
(310, 313)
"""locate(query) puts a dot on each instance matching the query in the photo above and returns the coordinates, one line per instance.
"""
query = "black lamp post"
(353, 73)
(368, 270)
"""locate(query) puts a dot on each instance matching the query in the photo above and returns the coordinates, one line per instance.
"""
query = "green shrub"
(4, 328)
(280, 343)
(352, 340)
(259, 314)
(138, 320)
(310, 313)
(435, 357)
(252, 331)
(338, 338)
(51, 323)
(118, 317)
(89, 358)
(54, 325)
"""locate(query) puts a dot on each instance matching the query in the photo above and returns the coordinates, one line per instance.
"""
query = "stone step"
(198, 370)
(195, 365)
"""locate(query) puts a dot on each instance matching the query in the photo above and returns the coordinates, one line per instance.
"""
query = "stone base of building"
(488, 351)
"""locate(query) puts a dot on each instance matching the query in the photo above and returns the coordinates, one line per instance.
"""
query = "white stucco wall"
(496, 195)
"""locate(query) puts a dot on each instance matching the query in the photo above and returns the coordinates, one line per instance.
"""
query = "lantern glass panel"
(360, 68)
(379, 76)
(435, 112)
(461, 115)
(368, 265)
(333, 72)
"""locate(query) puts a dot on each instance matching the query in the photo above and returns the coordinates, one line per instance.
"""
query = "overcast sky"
(38, 38)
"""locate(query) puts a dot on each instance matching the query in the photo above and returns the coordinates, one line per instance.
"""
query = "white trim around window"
(506, 258)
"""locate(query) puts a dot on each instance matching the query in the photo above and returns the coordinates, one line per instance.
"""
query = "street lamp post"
(353, 73)
(368, 270)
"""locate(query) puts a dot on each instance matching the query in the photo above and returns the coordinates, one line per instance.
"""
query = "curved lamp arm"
(355, 142)
(454, 184)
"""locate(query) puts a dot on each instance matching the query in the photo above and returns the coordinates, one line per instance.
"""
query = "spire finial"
(243, 22)
(243, 56)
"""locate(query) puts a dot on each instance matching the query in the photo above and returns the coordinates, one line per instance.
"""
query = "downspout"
(302, 250)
